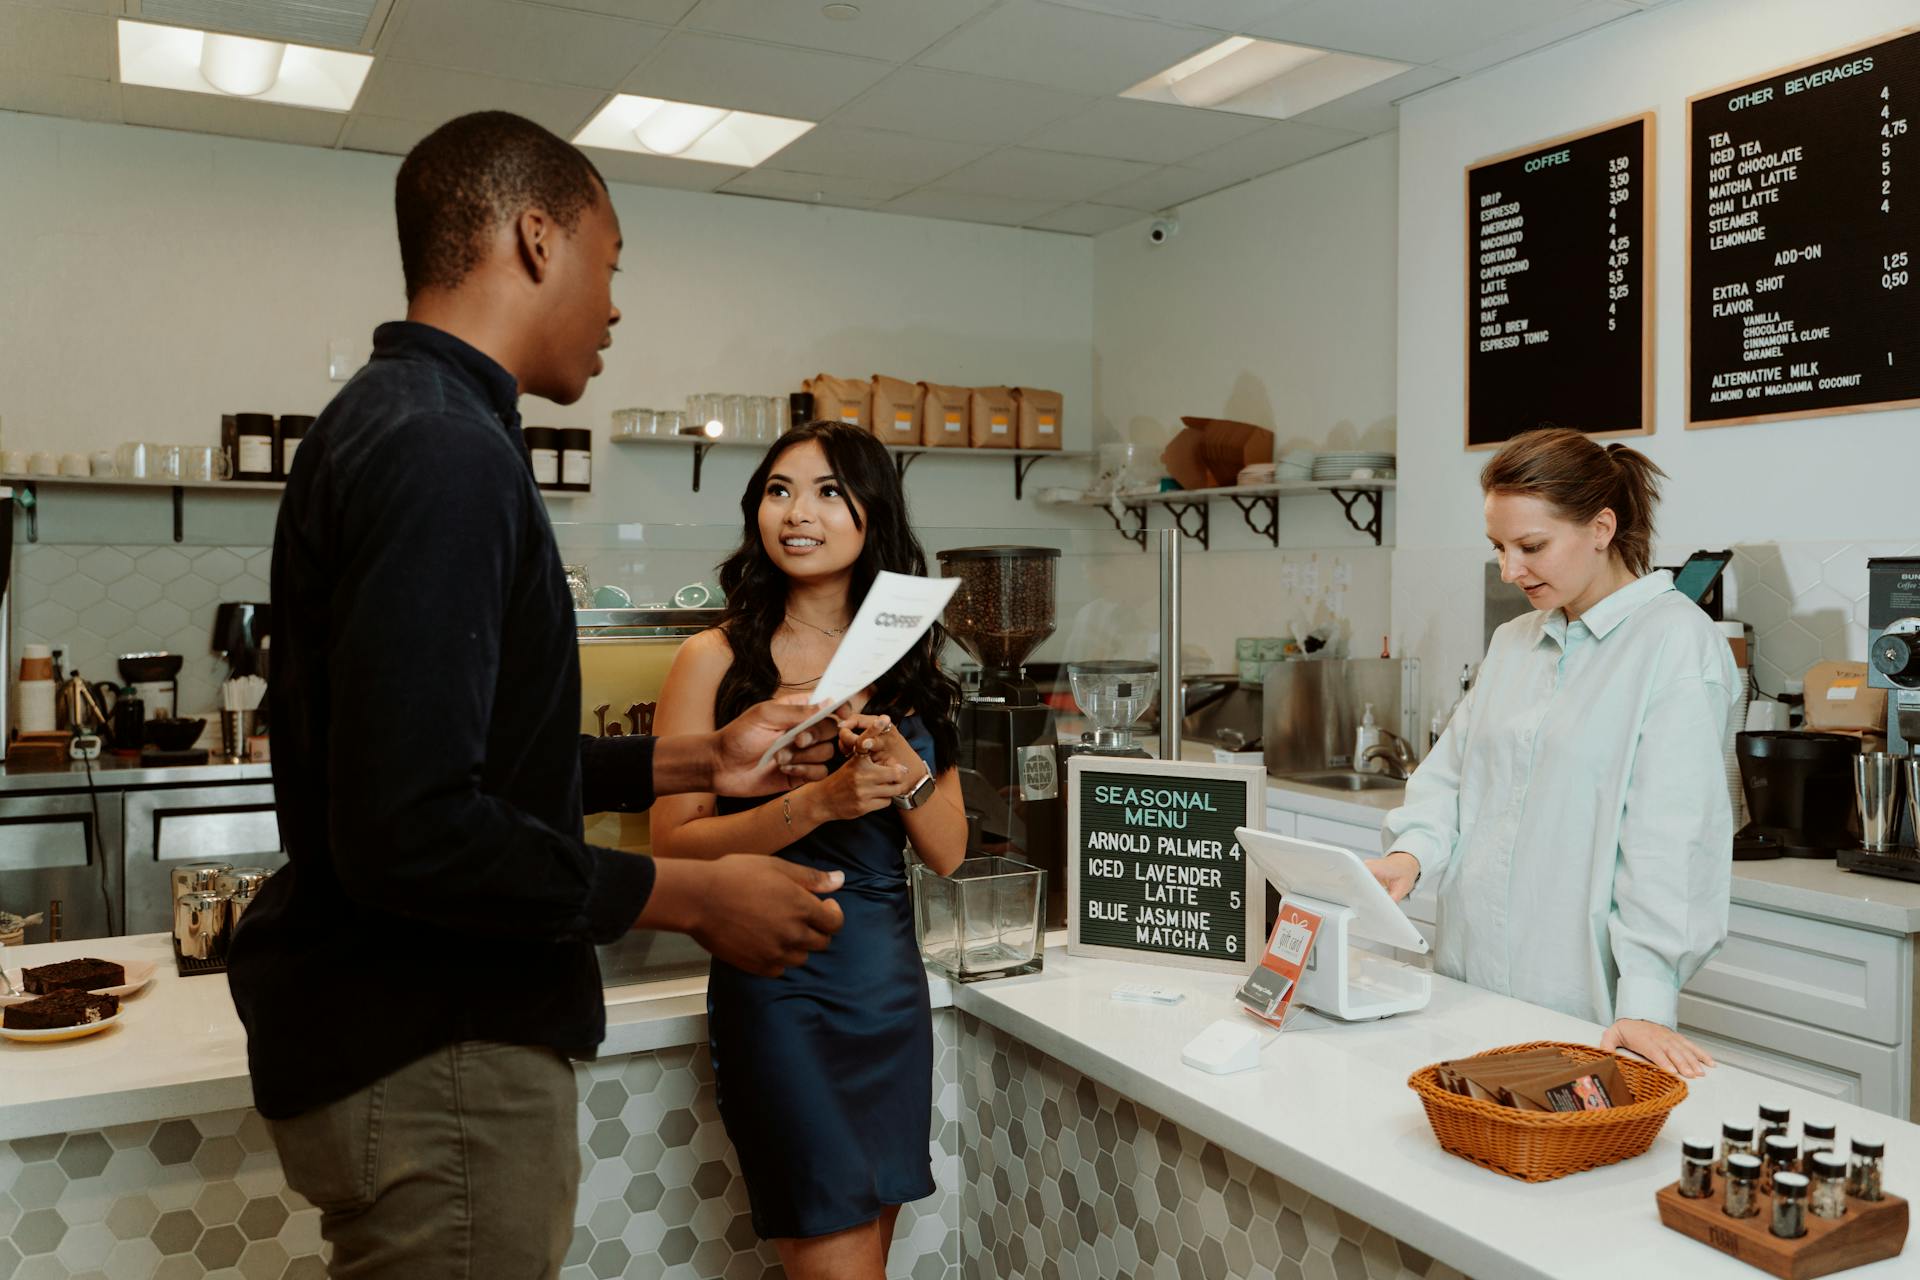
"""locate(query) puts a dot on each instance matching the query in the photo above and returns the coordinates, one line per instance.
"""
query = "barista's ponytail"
(1580, 479)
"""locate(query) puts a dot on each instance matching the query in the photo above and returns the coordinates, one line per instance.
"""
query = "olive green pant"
(463, 1165)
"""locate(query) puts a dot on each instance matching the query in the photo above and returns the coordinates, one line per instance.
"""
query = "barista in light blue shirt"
(1575, 811)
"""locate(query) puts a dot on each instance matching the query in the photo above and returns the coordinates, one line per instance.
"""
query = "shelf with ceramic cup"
(903, 454)
(1259, 506)
(27, 490)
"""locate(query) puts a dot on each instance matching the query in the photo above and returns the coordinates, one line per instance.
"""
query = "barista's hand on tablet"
(1396, 873)
(1662, 1046)
(737, 749)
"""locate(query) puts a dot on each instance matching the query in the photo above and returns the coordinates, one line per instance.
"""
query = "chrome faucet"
(1393, 753)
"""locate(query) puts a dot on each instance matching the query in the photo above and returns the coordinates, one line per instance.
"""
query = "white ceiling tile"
(894, 30)
(73, 96)
(234, 117)
(817, 188)
(411, 91)
(1165, 188)
(965, 207)
(839, 151)
(1407, 30)
(1043, 175)
(1066, 48)
(1372, 109)
(959, 107)
(377, 133)
(83, 6)
(56, 42)
(664, 12)
(1593, 14)
(1147, 131)
(1087, 219)
(661, 171)
(523, 41)
(1221, 15)
(1274, 147)
(775, 80)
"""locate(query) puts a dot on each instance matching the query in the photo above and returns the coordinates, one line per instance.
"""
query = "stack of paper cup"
(36, 689)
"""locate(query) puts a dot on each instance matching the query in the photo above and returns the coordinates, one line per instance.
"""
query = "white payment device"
(1342, 980)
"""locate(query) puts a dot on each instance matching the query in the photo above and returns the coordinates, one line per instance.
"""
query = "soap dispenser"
(1367, 735)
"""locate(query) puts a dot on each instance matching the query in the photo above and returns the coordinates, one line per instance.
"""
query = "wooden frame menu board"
(1803, 229)
(1560, 286)
(1154, 871)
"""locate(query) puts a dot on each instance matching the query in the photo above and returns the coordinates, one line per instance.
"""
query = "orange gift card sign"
(1268, 992)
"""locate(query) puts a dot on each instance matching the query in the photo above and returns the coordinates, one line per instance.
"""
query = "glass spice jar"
(1815, 1135)
(1780, 1155)
(1827, 1172)
(1863, 1179)
(1696, 1168)
(1736, 1137)
(1789, 1205)
(1743, 1186)
(1774, 1120)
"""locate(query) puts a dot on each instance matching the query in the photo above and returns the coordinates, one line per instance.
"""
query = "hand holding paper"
(898, 610)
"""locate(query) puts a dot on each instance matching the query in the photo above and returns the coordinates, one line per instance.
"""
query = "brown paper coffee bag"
(896, 410)
(943, 416)
(847, 400)
(990, 418)
(1039, 416)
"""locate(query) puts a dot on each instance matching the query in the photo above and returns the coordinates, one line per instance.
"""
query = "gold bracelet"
(786, 811)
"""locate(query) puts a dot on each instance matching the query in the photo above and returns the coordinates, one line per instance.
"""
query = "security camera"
(1163, 230)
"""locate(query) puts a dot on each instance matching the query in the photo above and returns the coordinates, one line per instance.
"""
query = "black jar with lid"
(576, 459)
(293, 429)
(543, 450)
(254, 453)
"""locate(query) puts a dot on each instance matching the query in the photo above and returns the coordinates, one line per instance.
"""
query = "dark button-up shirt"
(427, 764)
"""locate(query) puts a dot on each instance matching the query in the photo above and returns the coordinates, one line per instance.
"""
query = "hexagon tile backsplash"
(100, 602)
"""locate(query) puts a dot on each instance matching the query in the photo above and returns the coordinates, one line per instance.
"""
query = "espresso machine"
(1893, 657)
(1009, 738)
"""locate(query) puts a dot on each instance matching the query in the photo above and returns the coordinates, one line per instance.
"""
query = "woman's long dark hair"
(757, 589)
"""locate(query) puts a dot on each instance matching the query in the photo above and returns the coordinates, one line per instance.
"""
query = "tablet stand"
(1343, 981)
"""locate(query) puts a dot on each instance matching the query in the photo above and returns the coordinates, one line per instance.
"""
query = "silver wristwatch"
(920, 793)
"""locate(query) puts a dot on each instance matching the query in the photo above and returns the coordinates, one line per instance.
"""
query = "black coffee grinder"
(1893, 657)
(1009, 755)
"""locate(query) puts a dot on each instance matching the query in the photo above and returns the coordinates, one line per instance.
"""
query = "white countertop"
(179, 1050)
(1330, 1111)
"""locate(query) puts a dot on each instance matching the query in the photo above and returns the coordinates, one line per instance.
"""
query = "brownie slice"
(61, 1009)
(73, 975)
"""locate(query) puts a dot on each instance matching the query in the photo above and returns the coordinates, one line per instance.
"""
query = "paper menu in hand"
(898, 610)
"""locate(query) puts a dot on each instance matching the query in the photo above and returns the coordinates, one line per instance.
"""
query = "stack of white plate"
(1341, 466)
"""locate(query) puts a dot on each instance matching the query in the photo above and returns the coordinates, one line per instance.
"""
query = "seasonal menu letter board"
(1803, 210)
(1559, 282)
(1154, 872)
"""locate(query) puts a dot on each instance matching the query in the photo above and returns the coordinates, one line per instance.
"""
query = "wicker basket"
(1538, 1146)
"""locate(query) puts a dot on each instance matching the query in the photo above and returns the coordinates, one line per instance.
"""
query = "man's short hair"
(470, 176)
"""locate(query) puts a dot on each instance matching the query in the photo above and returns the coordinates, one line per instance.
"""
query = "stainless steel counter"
(118, 773)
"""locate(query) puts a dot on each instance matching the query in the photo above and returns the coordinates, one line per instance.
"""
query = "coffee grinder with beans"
(1009, 752)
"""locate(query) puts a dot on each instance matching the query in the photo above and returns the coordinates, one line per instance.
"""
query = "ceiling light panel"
(342, 23)
(192, 61)
(1263, 78)
(686, 131)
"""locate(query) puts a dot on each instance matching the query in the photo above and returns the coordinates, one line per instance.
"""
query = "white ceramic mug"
(43, 464)
(74, 464)
(14, 462)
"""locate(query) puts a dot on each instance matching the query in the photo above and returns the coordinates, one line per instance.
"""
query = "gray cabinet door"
(233, 824)
(62, 847)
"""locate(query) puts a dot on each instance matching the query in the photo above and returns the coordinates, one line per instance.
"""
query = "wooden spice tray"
(1870, 1231)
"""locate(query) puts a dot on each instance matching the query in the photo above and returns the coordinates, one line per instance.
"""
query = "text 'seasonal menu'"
(1159, 866)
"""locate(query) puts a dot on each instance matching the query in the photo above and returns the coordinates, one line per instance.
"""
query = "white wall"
(156, 280)
(1275, 305)
(1839, 482)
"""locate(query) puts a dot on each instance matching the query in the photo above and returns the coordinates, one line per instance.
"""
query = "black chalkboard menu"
(1803, 203)
(1559, 286)
(1155, 873)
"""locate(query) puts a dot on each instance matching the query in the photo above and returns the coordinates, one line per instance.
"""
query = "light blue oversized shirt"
(1575, 811)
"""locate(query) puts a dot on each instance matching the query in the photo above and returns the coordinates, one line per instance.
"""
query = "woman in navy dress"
(825, 1073)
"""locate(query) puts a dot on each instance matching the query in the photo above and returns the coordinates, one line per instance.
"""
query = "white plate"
(139, 974)
(57, 1033)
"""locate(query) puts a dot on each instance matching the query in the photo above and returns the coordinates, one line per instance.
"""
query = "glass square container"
(983, 921)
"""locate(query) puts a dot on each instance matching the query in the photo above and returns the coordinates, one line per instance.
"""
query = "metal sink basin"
(1343, 780)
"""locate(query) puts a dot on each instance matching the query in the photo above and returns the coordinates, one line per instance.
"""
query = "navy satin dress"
(825, 1074)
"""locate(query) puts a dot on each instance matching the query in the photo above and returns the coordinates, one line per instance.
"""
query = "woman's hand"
(1662, 1046)
(860, 786)
(1397, 873)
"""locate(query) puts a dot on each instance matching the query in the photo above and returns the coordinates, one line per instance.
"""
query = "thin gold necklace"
(825, 631)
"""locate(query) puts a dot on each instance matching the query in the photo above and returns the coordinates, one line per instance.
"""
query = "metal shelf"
(29, 486)
(1259, 505)
(903, 454)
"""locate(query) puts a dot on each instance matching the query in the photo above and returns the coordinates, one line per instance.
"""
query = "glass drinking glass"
(205, 462)
(167, 460)
(670, 422)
